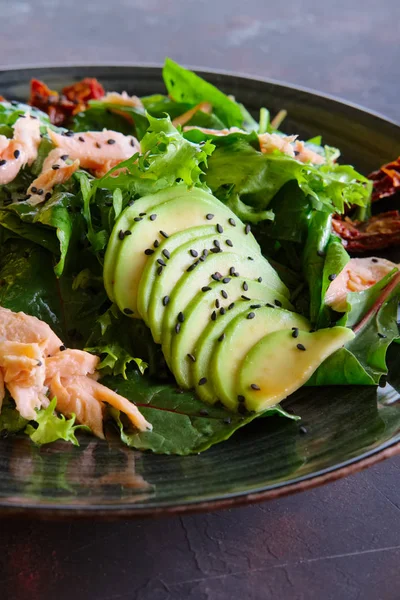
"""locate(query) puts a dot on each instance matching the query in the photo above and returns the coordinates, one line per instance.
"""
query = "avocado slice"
(240, 336)
(198, 313)
(215, 265)
(278, 366)
(208, 341)
(183, 259)
(149, 275)
(124, 223)
(172, 216)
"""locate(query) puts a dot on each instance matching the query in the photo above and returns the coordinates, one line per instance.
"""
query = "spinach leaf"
(182, 424)
(185, 86)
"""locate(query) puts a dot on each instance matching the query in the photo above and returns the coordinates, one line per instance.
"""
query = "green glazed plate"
(348, 428)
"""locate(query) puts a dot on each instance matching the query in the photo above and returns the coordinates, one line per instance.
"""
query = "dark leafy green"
(182, 424)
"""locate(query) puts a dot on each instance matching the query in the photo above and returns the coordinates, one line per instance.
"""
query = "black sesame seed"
(229, 243)
(232, 222)
(166, 254)
(259, 279)
(300, 347)
(142, 214)
(128, 311)
(132, 143)
(321, 253)
(194, 253)
(241, 398)
(232, 271)
(247, 229)
(231, 306)
(16, 153)
(205, 252)
(131, 202)
(254, 386)
(164, 234)
(149, 251)
(374, 260)
(64, 157)
(222, 311)
(221, 337)
(381, 335)
(181, 317)
(40, 192)
(213, 315)
(137, 219)
(81, 139)
(255, 306)
(55, 167)
(226, 280)
(204, 412)
(270, 305)
(250, 258)
(215, 250)
(216, 276)
(227, 420)
(165, 300)
(33, 188)
(39, 363)
(156, 244)
(69, 133)
(177, 328)
(278, 303)
(62, 348)
(245, 297)
(159, 270)
(110, 141)
(153, 217)
(217, 244)
(192, 267)
(224, 294)
(161, 262)
(2, 162)
(47, 196)
(220, 229)
(209, 217)
(206, 288)
(203, 380)
(295, 332)
(332, 276)
(303, 430)
(202, 258)
(192, 358)
(217, 303)
(251, 315)
(121, 234)
(97, 145)
(128, 232)
(237, 274)
(245, 286)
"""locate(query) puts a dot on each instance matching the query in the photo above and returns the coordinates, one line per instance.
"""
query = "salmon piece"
(49, 176)
(306, 155)
(2, 389)
(23, 370)
(20, 327)
(21, 150)
(122, 99)
(269, 142)
(71, 363)
(359, 274)
(189, 114)
(97, 151)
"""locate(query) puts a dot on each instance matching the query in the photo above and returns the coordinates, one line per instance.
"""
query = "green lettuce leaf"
(185, 86)
(49, 427)
(182, 424)
(10, 419)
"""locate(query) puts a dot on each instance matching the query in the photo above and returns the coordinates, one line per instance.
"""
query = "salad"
(172, 268)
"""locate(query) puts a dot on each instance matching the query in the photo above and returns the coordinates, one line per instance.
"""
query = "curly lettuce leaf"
(49, 427)
(10, 419)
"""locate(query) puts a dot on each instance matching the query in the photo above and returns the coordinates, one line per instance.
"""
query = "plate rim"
(353, 465)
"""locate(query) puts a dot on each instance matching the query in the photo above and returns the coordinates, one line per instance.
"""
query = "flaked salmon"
(359, 274)
(21, 149)
(55, 170)
(122, 99)
(36, 366)
(97, 151)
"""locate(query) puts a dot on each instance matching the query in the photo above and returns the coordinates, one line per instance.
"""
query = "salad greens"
(52, 254)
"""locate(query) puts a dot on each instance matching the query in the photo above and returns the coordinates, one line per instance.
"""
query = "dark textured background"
(341, 542)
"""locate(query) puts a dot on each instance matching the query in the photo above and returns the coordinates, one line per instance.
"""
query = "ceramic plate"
(348, 428)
